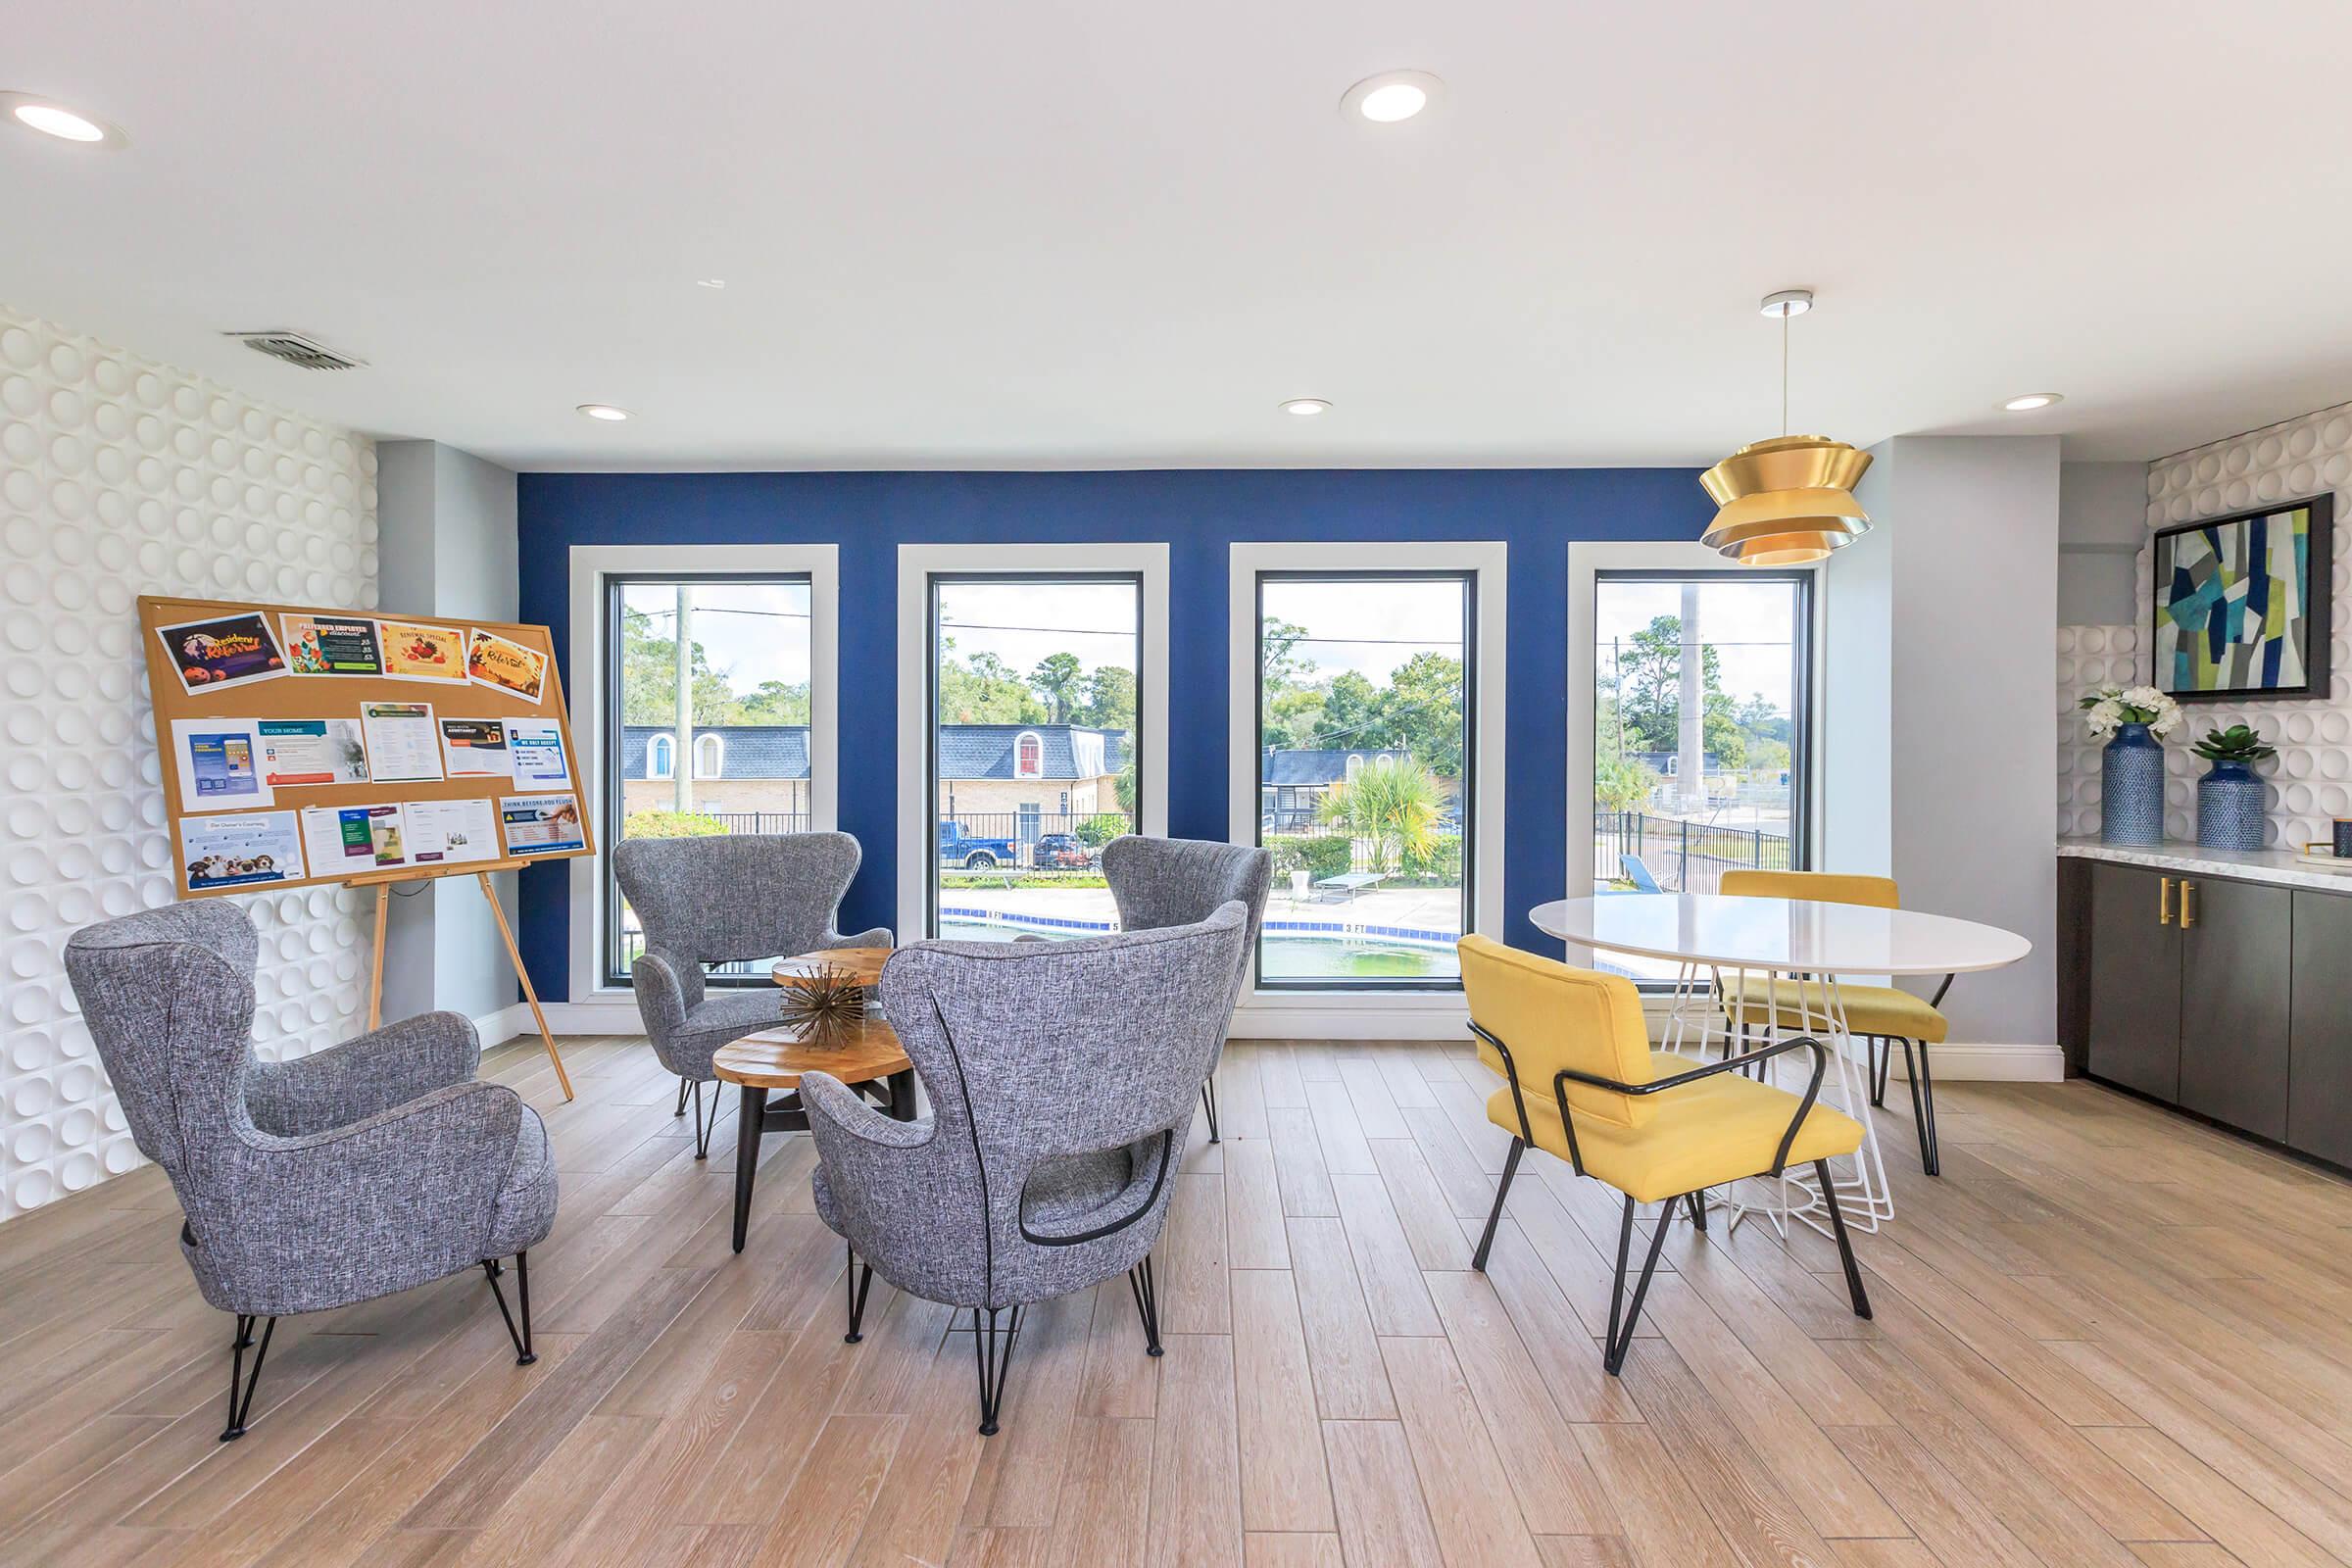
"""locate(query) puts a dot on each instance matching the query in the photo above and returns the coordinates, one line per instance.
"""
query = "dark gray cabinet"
(2229, 999)
(2136, 979)
(2237, 951)
(2319, 1077)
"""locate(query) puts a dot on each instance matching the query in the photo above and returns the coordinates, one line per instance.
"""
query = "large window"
(706, 723)
(1702, 730)
(1034, 753)
(1366, 746)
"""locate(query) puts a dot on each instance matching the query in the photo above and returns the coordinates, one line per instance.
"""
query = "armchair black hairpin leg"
(1622, 1340)
(683, 1081)
(1511, 1168)
(1208, 1098)
(994, 1357)
(1146, 1304)
(703, 1126)
(240, 1410)
(1846, 1246)
(524, 1355)
(857, 1279)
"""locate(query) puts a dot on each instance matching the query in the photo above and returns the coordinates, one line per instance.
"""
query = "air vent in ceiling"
(296, 350)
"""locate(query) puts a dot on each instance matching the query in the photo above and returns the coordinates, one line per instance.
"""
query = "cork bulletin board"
(303, 745)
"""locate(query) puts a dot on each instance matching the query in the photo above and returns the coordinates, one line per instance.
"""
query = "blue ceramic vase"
(2131, 788)
(2229, 807)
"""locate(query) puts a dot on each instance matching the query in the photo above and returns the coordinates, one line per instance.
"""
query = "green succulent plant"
(2237, 744)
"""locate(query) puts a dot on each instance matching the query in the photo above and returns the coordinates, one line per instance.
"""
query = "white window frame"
(1306, 1014)
(1037, 772)
(718, 744)
(595, 1007)
(1587, 561)
(666, 748)
(916, 564)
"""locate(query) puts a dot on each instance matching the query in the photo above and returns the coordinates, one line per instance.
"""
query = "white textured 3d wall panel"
(2311, 780)
(118, 477)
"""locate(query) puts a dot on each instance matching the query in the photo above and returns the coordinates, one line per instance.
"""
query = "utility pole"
(682, 774)
(1693, 766)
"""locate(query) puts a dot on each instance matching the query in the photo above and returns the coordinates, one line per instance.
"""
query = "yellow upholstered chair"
(1881, 1015)
(1583, 1083)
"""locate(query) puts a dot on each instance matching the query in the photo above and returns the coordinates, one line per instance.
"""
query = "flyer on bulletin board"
(241, 849)
(347, 840)
(313, 751)
(445, 832)
(474, 747)
(220, 764)
(505, 665)
(228, 650)
(323, 645)
(415, 649)
(404, 745)
(536, 745)
(541, 824)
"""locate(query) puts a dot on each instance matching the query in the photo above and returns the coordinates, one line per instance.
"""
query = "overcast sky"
(1748, 622)
(1371, 628)
(1021, 622)
(754, 631)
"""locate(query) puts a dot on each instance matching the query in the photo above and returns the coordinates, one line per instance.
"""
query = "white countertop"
(2282, 866)
(1779, 935)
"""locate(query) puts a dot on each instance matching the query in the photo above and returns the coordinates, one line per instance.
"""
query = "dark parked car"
(1062, 849)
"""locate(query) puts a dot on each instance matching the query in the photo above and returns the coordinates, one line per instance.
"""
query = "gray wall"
(1958, 607)
(446, 546)
(2102, 521)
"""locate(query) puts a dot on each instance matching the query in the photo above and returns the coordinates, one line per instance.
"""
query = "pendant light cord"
(1785, 314)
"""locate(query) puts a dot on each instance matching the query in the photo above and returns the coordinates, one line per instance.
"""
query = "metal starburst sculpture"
(824, 1003)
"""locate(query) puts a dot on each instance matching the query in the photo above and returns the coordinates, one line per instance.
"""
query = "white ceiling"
(1066, 233)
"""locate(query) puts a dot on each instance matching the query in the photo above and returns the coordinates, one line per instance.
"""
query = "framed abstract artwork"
(2243, 604)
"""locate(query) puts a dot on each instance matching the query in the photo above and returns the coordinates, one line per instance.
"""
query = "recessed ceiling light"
(604, 411)
(1391, 96)
(709, 282)
(2032, 400)
(53, 119)
(1307, 408)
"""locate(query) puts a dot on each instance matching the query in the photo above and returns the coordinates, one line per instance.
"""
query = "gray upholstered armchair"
(1061, 1078)
(717, 900)
(1163, 882)
(363, 1170)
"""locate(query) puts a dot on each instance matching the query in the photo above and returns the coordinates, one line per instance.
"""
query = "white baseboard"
(496, 1028)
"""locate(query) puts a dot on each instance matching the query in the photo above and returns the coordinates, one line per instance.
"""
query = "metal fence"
(1683, 857)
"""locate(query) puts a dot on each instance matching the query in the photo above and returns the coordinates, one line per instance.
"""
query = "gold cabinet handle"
(2188, 904)
(2164, 901)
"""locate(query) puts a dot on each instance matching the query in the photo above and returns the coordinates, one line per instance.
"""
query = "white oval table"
(1810, 945)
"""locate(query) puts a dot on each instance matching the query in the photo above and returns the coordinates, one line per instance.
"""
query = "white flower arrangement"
(2112, 707)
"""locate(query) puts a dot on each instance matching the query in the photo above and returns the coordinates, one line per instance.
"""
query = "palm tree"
(1390, 804)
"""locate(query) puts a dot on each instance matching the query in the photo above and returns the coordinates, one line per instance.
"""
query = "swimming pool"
(1291, 957)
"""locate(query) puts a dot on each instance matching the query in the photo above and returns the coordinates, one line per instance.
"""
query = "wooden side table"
(865, 1055)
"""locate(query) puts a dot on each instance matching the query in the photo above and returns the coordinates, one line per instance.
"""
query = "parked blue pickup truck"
(958, 848)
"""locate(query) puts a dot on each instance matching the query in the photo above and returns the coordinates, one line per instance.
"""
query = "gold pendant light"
(1789, 501)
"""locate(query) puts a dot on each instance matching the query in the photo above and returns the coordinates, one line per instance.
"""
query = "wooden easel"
(382, 882)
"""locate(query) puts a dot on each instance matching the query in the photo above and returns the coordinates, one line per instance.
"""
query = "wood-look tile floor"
(2106, 1336)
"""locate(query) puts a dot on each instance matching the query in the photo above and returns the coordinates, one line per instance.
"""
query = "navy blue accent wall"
(1198, 513)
